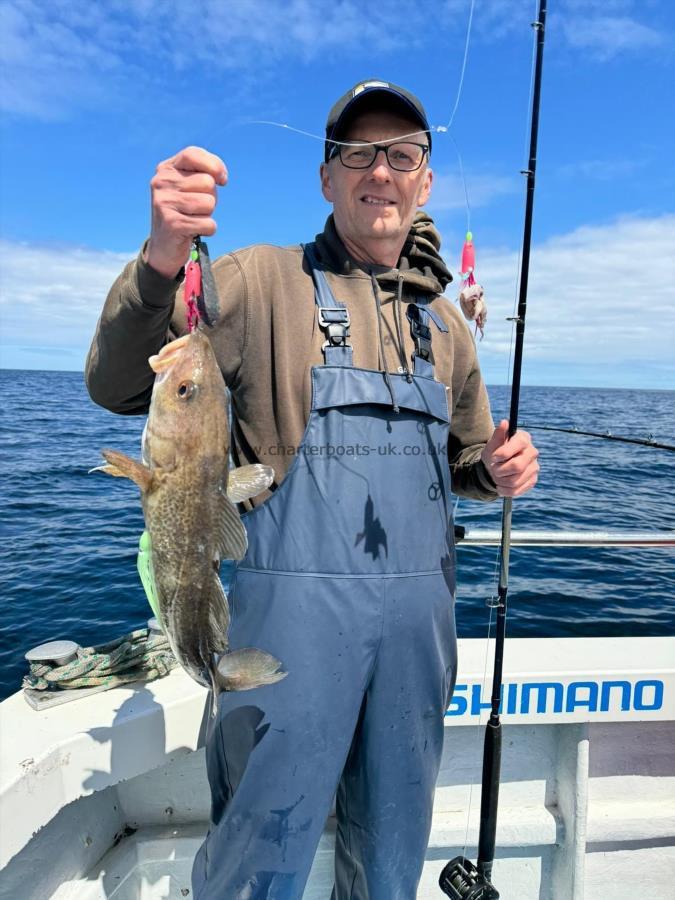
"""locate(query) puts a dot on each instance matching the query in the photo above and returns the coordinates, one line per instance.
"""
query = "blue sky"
(95, 95)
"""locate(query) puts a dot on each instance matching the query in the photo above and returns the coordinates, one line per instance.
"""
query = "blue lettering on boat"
(524, 698)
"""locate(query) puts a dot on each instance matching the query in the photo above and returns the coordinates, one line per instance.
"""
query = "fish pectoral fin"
(232, 543)
(244, 669)
(248, 481)
(122, 466)
(219, 614)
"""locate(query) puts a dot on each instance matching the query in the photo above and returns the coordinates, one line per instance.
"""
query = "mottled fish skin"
(192, 523)
(187, 445)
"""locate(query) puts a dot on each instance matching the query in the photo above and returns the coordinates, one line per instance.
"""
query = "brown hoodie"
(267, 339)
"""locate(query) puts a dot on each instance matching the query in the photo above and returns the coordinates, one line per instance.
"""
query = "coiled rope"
(141, 655)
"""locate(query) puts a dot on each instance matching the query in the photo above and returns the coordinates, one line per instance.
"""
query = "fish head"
(189, 405)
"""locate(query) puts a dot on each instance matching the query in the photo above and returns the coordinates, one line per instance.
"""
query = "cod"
(188, 496)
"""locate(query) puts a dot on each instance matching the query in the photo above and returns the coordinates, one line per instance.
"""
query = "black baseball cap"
(369, 95)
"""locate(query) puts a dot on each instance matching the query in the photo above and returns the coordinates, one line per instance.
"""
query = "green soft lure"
(144, 566)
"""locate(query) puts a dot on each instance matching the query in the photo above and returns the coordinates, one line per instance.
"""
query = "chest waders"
(349, 580)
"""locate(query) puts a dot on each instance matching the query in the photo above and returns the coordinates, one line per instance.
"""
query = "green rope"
(138, 656)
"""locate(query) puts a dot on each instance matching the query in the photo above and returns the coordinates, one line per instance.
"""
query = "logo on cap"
(369, 84)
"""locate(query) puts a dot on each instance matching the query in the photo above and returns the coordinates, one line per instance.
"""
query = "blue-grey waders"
(349, 581)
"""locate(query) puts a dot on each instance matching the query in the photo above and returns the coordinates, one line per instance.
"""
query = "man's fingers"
(168, 179)
(516, 491)
(514, 445)
(513, 484)
(498, 437)
(187, 226)
(511, 462)
(195, 182)
(194, 204)
(515, 479)
(196, 159)
(514, 464)
(184, 196)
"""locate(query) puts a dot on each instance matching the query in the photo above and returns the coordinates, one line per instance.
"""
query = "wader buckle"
(335, 322)
(421, 334)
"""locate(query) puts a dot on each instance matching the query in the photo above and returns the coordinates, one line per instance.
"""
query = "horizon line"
(597, 387)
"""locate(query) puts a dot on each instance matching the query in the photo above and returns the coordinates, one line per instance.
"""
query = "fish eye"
(185, 390)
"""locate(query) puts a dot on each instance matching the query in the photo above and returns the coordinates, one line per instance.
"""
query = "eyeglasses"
(401, 156)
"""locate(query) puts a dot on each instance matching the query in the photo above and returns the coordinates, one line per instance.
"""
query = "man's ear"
(326, 185)
(425, 188)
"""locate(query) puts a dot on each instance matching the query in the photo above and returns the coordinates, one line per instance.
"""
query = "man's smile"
(377, 201)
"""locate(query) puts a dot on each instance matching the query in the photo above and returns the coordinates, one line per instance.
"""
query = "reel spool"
(461, 880)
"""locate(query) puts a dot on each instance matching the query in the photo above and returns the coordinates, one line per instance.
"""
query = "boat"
(106, 796)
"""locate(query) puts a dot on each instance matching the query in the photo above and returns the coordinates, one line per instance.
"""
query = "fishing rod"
(461, 879)
(607, 436)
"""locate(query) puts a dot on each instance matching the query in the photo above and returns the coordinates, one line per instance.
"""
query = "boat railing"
(485, 537)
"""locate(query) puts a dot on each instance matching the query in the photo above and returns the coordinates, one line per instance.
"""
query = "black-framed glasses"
(403, 156)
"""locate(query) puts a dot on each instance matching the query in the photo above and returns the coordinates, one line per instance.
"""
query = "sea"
(70, 538)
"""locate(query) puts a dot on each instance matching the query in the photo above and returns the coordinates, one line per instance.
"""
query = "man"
(359, 385)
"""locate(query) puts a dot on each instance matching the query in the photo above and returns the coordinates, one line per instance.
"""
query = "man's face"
(378, 203)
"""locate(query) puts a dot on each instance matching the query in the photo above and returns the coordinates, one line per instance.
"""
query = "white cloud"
(50, 300)
(601, 169)
(493, 20)
(604, 36)
(70, 53)
(65, 55)
(600, 296)
(53, 58)
(601, 29)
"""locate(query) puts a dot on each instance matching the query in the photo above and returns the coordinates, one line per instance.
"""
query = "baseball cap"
(368, 95)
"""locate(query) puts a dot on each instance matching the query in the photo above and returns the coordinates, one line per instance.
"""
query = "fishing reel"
(461, 880)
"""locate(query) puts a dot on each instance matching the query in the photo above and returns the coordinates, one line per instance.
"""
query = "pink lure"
(471, 295)
(468, 260)
(192, 291)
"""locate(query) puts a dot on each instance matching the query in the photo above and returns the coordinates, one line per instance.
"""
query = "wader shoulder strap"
(333, 317)
(423, 360)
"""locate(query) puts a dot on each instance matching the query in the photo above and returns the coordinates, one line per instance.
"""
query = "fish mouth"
(167, 356)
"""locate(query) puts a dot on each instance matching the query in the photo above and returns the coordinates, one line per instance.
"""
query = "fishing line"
(325, 140)
(437, 129)
(442, 128)
(466, 190)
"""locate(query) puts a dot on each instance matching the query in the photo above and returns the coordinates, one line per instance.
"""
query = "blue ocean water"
(70, 539)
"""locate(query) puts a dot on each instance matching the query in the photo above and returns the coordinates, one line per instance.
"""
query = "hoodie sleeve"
(470, 428)
(140, 315)
(134, 324)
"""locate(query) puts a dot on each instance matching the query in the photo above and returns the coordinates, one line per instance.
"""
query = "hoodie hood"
(420, 266)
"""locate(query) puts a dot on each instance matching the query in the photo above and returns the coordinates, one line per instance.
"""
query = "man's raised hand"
(184, 196)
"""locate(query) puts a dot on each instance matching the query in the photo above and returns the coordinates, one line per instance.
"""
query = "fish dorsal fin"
(232, 540)
(122, 466)
(248, 481)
